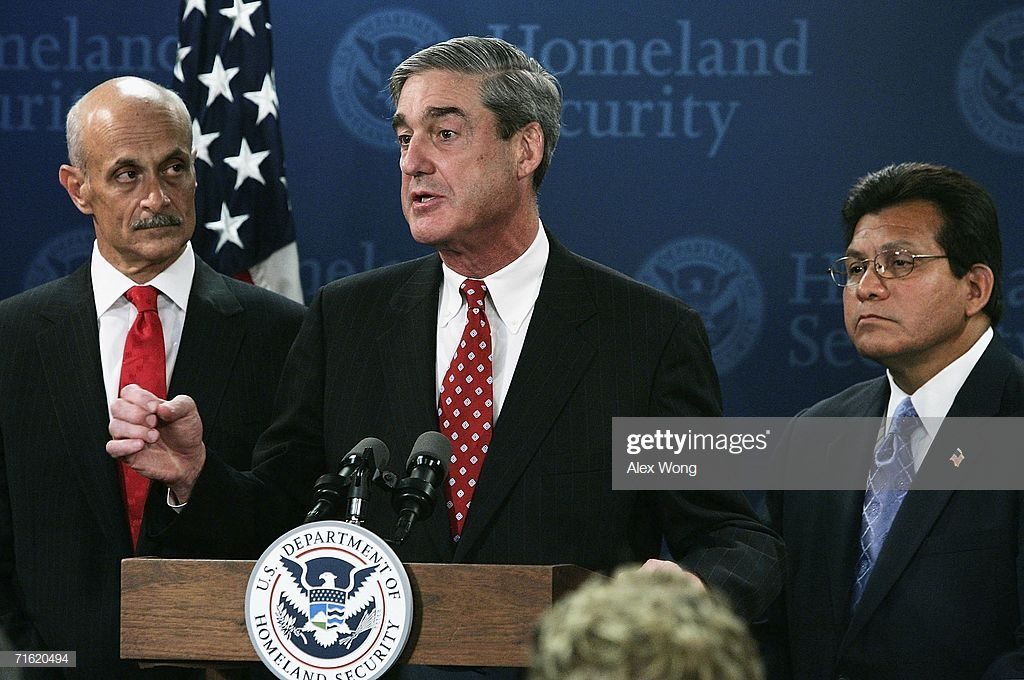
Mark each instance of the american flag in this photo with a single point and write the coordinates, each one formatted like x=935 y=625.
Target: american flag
x=224 y=72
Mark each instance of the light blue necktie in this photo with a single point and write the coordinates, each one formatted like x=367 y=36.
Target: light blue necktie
x=891 y=474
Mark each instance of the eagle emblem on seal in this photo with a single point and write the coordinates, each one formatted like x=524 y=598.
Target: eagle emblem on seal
x=324 y=602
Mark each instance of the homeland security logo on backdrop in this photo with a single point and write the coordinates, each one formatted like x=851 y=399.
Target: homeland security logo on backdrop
x=362 y=63
x=720 y=283
x=59 y=256
x=991 y=82
x=328 y=600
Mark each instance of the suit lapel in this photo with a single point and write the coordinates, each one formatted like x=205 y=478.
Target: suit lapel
x=74 y=377
x=556 y=353
x=980 y=396
x=207 y=354
x=841 y=545
x=408 y=347
x=210 y=341
x=842 y=509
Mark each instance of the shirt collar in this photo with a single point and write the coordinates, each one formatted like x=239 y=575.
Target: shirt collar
x=933 y=400
x=109 y=285
x=513 y=289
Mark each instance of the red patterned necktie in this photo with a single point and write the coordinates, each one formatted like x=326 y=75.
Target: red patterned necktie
x=465 y=406
x=144 y=365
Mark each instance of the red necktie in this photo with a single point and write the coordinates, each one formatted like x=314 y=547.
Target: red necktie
x=144 y=365
x=465 y=406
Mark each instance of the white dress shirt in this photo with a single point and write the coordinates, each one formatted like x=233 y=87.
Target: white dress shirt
x=933 y=400
x=116 y=315
x=511 y=295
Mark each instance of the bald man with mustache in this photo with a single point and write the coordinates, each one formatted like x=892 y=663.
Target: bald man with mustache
x=68 y=512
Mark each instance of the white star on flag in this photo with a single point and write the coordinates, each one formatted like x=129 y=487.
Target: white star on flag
x=227 y=226
x=182 y=53
x=201 y=142
x=194 y=4
x=209 y=42
x=218 y=80
x=247 y=164
x=241 y=14
x=265 y=98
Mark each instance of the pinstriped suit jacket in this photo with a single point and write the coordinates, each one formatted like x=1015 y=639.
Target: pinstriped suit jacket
x=599 y=345
x=62 y=526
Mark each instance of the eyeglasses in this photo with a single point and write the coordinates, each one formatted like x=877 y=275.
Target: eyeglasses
x=848 y=272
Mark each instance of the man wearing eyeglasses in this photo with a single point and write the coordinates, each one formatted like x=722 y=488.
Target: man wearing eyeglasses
x=883 y=583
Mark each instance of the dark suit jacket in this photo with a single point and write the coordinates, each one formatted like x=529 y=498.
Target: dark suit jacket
x=63 y=530
x=599 y=345
x=946 y=595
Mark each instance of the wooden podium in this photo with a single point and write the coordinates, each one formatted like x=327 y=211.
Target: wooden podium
x=191 y=612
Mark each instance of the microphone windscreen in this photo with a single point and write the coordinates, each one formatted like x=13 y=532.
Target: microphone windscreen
x=432 y=444
x=381 y=454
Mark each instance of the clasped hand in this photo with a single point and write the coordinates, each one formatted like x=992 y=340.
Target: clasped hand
x=159 y=439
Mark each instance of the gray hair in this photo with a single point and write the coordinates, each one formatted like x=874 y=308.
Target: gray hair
x=515 y=87
x=128 y=87
x=643 y=625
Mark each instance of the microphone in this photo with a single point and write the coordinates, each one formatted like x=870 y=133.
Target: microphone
x=360 y=466
x=329 y=490
x=415 y=496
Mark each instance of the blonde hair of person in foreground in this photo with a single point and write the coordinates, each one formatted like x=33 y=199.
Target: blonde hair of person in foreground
x=643 y=625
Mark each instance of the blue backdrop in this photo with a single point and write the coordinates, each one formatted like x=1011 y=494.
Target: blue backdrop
x=706 y=146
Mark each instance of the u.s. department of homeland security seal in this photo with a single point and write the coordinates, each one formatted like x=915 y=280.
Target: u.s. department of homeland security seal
x=362 y=63
x=59 y=256
x=720 y=283
x=328 y=601
x=990 y=83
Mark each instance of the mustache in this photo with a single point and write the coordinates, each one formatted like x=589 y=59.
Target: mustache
x=158 y=220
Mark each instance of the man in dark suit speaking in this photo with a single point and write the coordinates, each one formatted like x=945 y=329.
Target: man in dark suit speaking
x=927 y=584
x=144 y=310
x=516 y=349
